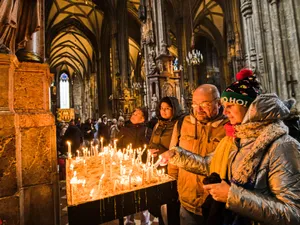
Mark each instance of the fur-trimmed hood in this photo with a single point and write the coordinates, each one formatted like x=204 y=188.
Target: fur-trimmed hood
x=266 y=107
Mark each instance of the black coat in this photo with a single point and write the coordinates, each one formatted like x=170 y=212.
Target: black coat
x=136 y=134
x=75 y=136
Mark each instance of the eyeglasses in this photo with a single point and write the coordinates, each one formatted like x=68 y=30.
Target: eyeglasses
x=204 y=105
x=166 y=109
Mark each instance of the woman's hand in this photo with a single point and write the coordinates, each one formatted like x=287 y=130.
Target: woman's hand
x=218 y=191
x=154 y=152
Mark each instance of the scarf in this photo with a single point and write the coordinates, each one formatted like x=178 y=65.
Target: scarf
x=265 y=133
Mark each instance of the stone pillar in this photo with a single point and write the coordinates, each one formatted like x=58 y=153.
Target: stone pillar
x=28 y=158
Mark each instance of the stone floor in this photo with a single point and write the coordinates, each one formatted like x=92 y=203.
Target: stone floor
x=64 y=211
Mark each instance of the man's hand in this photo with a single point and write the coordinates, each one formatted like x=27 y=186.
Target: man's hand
x=166 y=156
x=218 y=191
x=154 y=152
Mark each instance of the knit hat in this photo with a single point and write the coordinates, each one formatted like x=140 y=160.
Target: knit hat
x=244 y=90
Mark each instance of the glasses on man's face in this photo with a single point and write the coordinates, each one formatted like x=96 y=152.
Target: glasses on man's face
x=166 y=109
x=204 y=105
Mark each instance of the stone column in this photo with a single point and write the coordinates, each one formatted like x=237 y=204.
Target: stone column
x=246 y=8
x=28 y=162
x=123 y=45
x=279 y=57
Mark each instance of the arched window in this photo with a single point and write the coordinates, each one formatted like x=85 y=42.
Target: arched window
x=64 y=91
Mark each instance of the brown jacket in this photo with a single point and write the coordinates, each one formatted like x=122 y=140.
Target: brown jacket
x=190 y=189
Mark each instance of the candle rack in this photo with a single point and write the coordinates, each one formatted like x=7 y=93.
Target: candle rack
x=111 y=184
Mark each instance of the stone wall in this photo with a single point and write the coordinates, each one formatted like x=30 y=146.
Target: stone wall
x=28 y=158
x=271 y=37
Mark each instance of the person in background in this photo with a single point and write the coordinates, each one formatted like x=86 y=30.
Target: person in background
x=263 y=165
x=200 y=133
x=103 y=130
x=88 y=132
x=168 y=112
x=114 y=130
x=136 y=132
x=75 y=136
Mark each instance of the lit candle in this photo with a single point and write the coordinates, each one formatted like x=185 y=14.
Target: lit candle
x=121 y=167
x=100 y=182
x=77 y=153
x=101 y=141
x=110 y=170
x=148 y=174
x=104 y=163
x=73 y=181
x=71 y=166
x=69 y=149
x=92 y=150
x=122 y=184
x=92 y=193
x=115 y=185
x=89 y=153
x=115 y=144
x=96 y=150
x=129 y=179
x=85 y=167
x=143 y=176
x=152 y=160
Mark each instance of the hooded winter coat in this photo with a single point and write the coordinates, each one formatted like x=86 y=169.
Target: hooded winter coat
x=162 y=132
x=263 y=167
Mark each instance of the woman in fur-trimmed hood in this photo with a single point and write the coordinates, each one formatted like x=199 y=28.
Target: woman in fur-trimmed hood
x=263 y=169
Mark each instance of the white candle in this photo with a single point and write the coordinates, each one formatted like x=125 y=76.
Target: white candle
x=104 y=163
x=101 y=141
x=129 y=179
x=152 y=160
x=71 y=166
x=100 y=182
x=121 y=167
x=92 y=193
x=143 y=176
x=110 y=170
x=85 y=167
x=115 y=185
x=69 y=149
x=148 y=174
x=77 y=153
x=115 y=144
x=96 y=150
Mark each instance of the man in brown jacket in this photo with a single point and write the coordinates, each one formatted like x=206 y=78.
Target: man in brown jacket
x=200 y=132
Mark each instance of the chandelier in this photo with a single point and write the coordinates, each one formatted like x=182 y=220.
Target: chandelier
x=194 y=56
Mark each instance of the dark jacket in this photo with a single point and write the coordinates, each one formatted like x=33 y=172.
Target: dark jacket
x=75 y=136
x=104 y=131
x=88 y=131
x=135 y=134
x=162 y=132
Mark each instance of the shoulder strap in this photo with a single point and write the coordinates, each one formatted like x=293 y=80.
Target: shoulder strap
x=179 y=124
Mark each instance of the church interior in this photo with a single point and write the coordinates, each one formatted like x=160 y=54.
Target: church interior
x=80 y=59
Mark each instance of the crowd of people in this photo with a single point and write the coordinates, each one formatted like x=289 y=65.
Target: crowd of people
x=235 y=156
